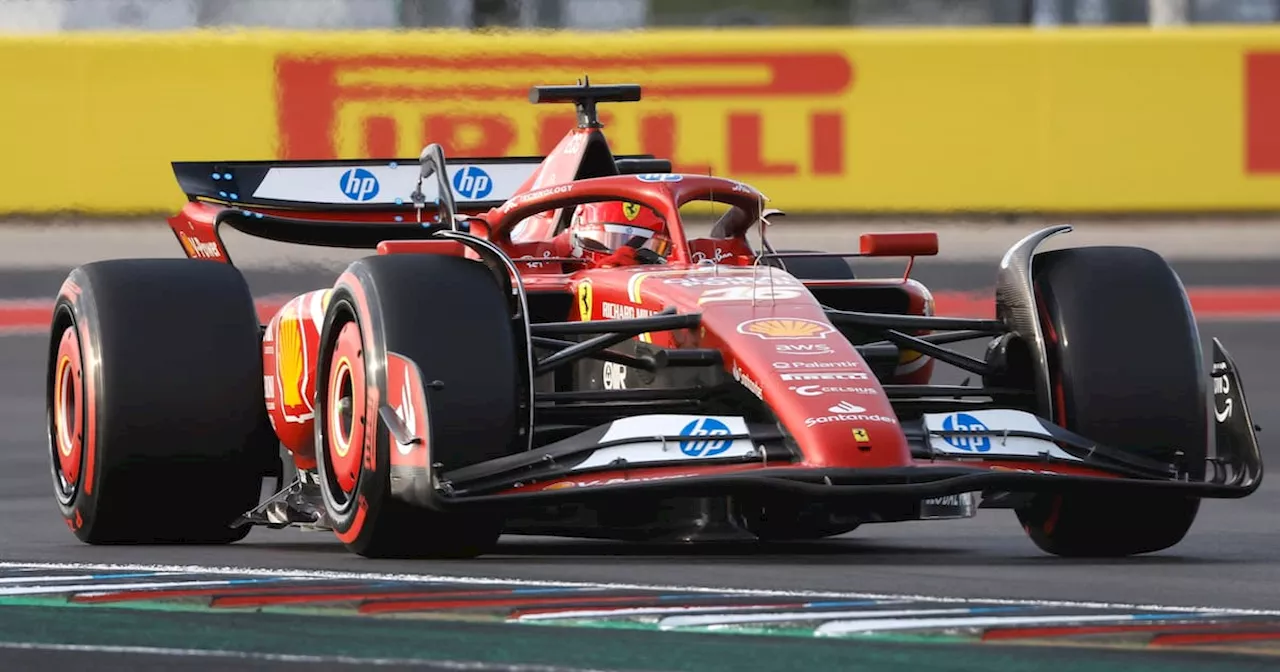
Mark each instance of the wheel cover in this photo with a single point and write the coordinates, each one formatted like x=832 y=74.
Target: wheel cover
x=345 y=433
x=68 y=414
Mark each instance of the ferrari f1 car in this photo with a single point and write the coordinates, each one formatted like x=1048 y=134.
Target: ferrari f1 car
x=478 y=376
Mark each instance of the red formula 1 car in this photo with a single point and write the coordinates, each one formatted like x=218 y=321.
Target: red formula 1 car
x=539 y=347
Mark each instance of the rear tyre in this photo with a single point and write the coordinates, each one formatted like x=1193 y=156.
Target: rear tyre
x=1127 y=371
x=815 y=268
x=158 y=431
x=448 y=316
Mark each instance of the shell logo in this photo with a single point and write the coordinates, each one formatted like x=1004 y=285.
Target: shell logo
x=297 y=344
x=772 y=329
x=562 y=485
x=291 y=358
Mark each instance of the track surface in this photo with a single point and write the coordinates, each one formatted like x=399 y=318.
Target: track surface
x=1228 y=560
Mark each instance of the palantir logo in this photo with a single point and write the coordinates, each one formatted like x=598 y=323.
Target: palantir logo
x=705 y=427
x=359 y=184
x=472 y=183
x=963 y=422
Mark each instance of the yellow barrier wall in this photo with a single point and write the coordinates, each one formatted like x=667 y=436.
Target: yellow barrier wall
x=828 y=120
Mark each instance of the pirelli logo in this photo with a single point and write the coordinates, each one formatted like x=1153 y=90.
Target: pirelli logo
x=745 y=114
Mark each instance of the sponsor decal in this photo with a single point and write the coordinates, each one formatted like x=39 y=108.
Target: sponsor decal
x=1221 y=386
x=860 y=435
x=534 y=195
x=404 y=411
x=829 y=375
x=197 y=249
x=774 y=328
x=717 y=256
x=615 y=376
x=710 y=278
x=752 y=386
x=333 y=104
x=741 y=188
x=817 y=365
x=723 y=294
x=639 y=440
x=803 y=349
x=472 y=183
x=291 y=367
x=358 y=184
x=546 y=254
x=847 y=412
x=567 y=485
x=819 y=390
x=703 y=447
x=630 y=210
x=618 y=311
x=1034 y=440
x=963 y=422
x=585 y=300
x=659 y=177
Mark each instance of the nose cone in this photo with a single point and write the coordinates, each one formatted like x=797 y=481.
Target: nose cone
x=778 y=344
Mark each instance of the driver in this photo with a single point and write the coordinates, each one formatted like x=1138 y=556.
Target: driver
x=618 y=233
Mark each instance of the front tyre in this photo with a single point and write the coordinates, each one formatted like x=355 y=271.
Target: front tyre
x=1127 y=371
x=449 y=317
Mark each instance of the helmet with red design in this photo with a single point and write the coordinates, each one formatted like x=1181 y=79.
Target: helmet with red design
x=601 y=229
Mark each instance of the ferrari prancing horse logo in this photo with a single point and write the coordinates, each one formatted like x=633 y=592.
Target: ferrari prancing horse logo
x=631 y=210
x=585 y=300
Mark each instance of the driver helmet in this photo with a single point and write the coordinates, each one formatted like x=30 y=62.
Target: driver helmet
x=600 y=229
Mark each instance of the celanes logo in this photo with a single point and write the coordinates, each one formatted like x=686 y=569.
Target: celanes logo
x=705 y=427
x=819 y=390
x=771 y=329
x=359 y=184
x=963 y=422
x=472 y=183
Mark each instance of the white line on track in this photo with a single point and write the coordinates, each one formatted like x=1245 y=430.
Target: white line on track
x=838 y=628
x=432 y=578
x=289 y=658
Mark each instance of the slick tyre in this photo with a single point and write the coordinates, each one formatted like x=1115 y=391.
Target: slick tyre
x=1127 y=371
x=448 y=316
x=157 y=425
x=815 y=268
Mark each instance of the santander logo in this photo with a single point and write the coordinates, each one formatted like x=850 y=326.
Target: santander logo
x=846 y=407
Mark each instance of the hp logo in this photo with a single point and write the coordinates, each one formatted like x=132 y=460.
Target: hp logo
x=705 y=427
x=963 y=422
x=359 y=184
x=472 y=183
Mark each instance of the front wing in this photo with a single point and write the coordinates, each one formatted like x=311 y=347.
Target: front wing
x=1013 y=452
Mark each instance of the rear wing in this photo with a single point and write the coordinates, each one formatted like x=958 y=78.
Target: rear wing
x=365 y=184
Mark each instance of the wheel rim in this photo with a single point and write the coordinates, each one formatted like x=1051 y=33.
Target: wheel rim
x=67 y=432
x=345 y=433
